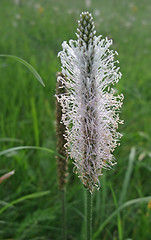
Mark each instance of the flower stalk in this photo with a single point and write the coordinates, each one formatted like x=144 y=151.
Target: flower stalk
x=90 y=110
x=89 y=215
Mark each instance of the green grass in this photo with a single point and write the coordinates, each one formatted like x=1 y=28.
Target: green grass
x=27 y=118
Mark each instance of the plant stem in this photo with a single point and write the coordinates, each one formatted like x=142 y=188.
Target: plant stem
x=89 y=215
x=64 y=223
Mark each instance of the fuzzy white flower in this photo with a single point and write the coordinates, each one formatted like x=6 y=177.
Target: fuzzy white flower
x=90 y=108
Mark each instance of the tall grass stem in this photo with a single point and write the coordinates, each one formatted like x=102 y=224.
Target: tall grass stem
x=64 y=221
x=89 y=215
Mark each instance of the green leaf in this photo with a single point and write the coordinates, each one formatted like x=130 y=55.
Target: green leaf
x=30 y=196
x=128 y=175
x=123 y=206
x=35 y=73
x=25 y=147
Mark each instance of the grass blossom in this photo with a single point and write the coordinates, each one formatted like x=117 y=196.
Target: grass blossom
x=90 y=106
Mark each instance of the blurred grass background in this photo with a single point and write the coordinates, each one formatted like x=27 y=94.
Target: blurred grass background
x=34 y=31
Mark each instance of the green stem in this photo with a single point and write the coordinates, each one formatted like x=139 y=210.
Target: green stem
x=64 y=222
x=89 y=215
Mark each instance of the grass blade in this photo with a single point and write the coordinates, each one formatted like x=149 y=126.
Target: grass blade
x=128 y=174
x=35 y=73
x=35 y=121
x=30 y=196
x=123 y=206
x=119 y=222
x=25 y=147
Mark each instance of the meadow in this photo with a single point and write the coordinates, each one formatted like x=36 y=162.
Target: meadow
x=30 y=207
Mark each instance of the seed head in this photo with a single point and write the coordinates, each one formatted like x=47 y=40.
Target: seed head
x=91 y=108
x=62 y=164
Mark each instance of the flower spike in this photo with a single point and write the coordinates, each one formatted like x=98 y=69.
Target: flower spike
x=91 y=108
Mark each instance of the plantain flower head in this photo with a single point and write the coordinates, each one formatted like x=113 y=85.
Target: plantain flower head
x=90 y=108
